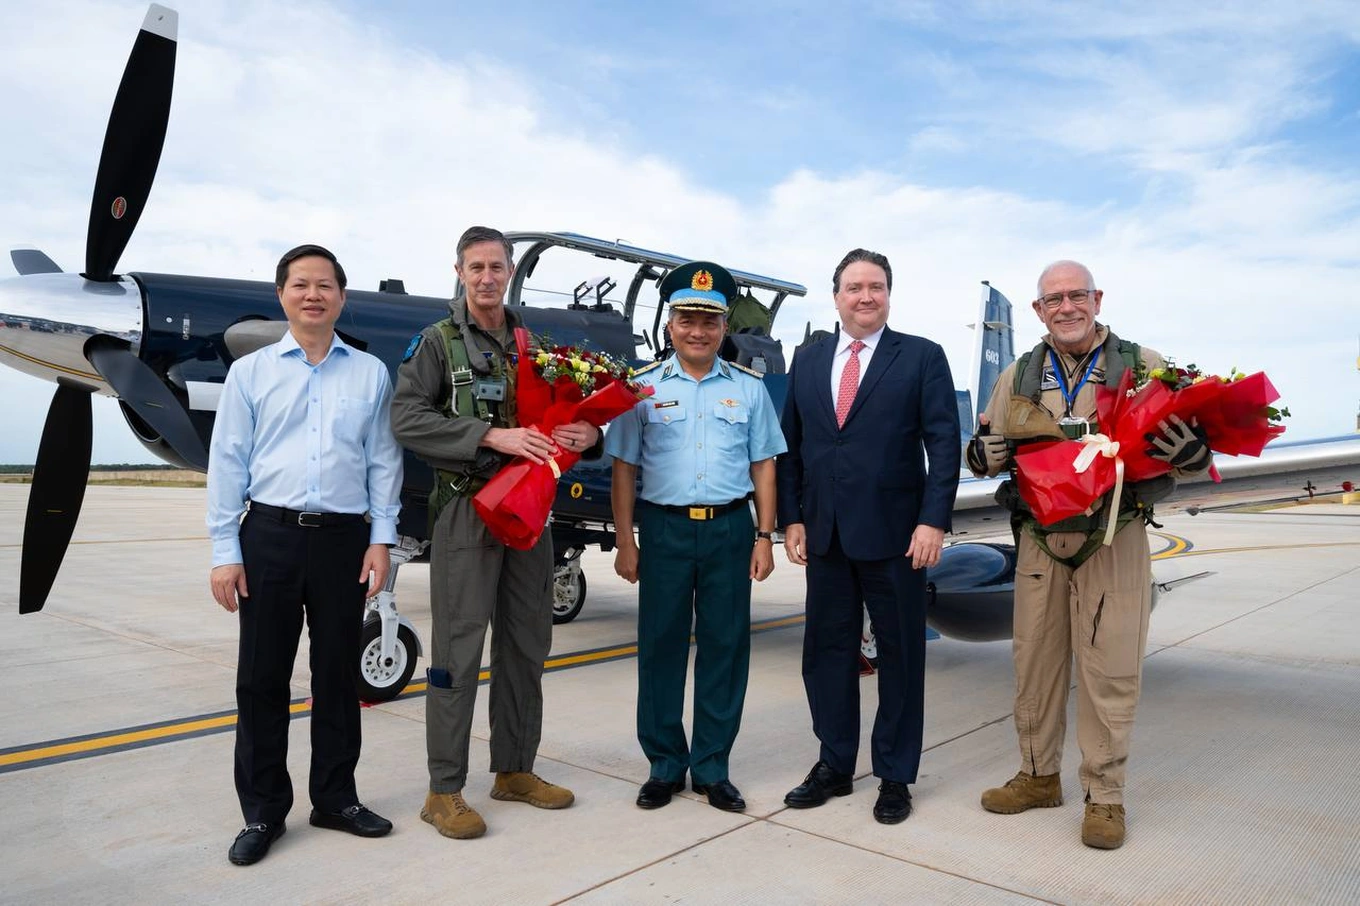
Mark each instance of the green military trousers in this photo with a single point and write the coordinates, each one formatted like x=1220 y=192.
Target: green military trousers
x=692 y=572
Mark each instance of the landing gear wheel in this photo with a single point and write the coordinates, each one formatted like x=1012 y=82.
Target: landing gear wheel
x=868 y=643
x=569 y=593
x=379 y=680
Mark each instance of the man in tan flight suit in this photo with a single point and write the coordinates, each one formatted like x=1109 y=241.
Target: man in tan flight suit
x=1073 y=594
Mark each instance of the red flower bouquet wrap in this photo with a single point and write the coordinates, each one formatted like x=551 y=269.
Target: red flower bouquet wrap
x=515 y=503
x=1062 y=479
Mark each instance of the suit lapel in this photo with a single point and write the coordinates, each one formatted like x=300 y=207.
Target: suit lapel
x=889 y=345
x=821 y=372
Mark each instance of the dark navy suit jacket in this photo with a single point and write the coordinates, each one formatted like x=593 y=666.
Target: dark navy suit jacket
x=868 y=482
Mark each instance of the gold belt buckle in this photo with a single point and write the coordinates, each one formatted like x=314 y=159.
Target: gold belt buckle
x=700 y=512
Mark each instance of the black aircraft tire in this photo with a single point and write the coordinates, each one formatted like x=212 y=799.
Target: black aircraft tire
x=568 y=596
x=379 y=682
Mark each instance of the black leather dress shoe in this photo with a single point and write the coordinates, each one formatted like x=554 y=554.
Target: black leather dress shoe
x=356 y=820
x=252 y=844
x=894 y=803
x=656 y=793
x=821 y=784
x=722 y=795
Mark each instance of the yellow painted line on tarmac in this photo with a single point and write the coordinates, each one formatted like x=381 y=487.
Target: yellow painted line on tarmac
x=73 y=748
x=1270 y=547
x=1176 y=546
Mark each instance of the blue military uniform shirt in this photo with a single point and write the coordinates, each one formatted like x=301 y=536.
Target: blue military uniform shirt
x=694 y=441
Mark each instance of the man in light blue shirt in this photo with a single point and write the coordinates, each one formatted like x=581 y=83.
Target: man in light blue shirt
x=302 y=438
x=705 y=441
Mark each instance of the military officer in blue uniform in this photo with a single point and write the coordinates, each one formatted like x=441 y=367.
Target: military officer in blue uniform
x=704 y=444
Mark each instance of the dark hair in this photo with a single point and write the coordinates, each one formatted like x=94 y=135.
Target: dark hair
x=473 y=235
x=861 y=255
x=306 y=251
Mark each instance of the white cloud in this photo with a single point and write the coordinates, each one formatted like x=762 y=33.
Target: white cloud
x=298 y=123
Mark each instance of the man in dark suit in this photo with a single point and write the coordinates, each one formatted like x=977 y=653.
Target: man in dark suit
x=865 y=410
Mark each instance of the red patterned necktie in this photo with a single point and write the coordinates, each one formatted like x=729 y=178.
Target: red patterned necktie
x=845 y=396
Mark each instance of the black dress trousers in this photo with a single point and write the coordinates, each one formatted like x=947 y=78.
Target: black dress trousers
x=294 y=571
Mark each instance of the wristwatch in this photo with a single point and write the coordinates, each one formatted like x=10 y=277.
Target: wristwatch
x=768 y=536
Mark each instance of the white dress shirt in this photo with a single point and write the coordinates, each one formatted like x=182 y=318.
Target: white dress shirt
x=843 y=355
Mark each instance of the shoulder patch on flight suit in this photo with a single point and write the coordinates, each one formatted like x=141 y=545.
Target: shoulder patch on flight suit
x=751 y=371
x=411 y=350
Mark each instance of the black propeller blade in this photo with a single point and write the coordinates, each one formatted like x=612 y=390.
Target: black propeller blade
x=32 y=261
x=58 y=489
x=146 y=394
x=132 y=143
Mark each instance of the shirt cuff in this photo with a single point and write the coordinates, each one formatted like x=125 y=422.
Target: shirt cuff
x=226 y=551
x=382 y=531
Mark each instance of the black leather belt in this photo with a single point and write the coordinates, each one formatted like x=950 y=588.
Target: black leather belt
x=304 y=519
x=701 y=512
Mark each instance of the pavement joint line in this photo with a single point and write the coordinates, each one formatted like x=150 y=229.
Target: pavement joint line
x=57 y=751
x=897 y=858
x=196 y=540
x=1256 y=610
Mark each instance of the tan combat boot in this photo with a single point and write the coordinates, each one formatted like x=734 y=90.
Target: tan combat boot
x=522 y=786
x=1103 y=826
x=451 y=816
x=1024 y=791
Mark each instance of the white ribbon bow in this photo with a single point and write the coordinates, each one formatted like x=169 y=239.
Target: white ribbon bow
x=1101 y=445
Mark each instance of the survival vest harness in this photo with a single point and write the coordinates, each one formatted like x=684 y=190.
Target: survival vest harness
x=462 y=401
x=1138 y=497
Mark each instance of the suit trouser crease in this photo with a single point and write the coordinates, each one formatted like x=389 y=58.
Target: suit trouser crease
x=1098 y=615
x=476 y=582
x=693 y=573
x=894 y=595
x=294 y=572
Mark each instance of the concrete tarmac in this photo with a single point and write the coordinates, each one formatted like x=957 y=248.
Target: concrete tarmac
x=116 y=748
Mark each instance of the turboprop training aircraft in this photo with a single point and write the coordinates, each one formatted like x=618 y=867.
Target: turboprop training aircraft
x=161 y=344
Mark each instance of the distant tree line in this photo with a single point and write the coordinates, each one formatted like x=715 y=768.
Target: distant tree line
x=12 y=469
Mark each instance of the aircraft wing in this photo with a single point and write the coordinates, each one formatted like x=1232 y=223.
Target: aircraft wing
x=1284 y=472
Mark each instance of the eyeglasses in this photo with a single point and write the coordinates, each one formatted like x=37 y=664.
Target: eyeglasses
x=1076 y=296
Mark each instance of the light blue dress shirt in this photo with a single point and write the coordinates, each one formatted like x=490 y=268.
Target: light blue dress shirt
x=695 y=440
x=316 y=438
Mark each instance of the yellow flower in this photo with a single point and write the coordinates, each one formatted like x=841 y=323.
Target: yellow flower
x=598 y=369
x=542 y=358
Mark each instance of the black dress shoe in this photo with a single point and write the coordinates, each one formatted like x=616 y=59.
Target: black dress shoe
x=722 y=795
x=821 y=784
x=356 y=820
x=252 y=844
x=894 y=803
x=656 y=793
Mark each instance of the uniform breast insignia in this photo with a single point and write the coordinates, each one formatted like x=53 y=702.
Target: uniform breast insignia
x=665 y=404
x=411 y=350
x=729 y=403
x=751 y=371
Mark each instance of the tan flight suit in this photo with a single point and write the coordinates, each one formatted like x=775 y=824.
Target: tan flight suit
x=1097 y=611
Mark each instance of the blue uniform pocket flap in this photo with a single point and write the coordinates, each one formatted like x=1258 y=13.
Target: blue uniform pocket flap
x=731 y=411
x=666 y=415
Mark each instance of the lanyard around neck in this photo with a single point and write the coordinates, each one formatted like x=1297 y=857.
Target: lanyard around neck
x=1070 y=397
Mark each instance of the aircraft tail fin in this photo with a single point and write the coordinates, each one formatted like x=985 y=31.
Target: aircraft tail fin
x=993 y=351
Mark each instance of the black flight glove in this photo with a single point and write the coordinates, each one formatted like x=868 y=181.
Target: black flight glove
x=988 y=454
x=1185 y=446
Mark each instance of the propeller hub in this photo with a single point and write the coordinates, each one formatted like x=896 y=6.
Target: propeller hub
x=47 y=319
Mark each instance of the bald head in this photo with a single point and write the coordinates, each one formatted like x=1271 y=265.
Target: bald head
x=1067 y=265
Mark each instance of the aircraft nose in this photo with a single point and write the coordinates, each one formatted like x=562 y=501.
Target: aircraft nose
x=46 y=320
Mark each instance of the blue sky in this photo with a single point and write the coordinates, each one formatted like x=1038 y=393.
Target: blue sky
x=1201 y=161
